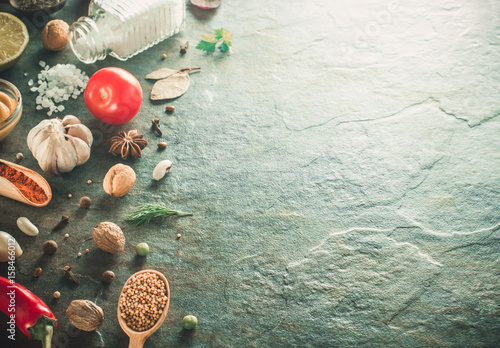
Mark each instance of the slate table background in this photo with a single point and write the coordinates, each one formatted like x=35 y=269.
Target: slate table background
x=342 y=165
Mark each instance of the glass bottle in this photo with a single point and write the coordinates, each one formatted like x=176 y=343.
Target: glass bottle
x=123 y=28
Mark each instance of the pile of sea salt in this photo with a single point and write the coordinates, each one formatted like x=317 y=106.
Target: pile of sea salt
x=56 y=85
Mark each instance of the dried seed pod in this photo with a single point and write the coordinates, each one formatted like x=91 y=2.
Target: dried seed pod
x=85 y=315
x=161 y=169
x=108 y=237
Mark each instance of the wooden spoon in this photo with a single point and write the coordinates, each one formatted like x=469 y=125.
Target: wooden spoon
x=8 y=189
x=137 y=338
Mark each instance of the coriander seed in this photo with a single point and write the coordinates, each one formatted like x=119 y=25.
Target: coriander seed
x=19 y=156
x=79 y=254
x=163 y=56
x=57 y=294
x=66 y=235
x=89 y=182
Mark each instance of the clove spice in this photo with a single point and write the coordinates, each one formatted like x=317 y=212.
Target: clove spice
x=67 y=271
x=156 y=125
x=184 y=47
x=60 y=224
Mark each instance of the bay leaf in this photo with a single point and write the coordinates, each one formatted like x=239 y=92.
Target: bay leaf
x=171 y=87
x=161 y=74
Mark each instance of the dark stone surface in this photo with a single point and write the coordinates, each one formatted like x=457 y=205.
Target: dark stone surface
x=342 y=165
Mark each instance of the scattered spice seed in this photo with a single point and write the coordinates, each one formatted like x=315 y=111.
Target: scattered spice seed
x=37 y=272
x=143 y=300
x=19 y=156
x=57 y=294
x=79 y=254
x=67 y=271
x=162 y=145
x=163 y=56
x=89 y=182
x=108 y=277
x=70 y=195
x=87 y=251
x=156 y=125
x=178 y=235
x=85 y=202
x=184 y=47
x=63 y=222
x=66 y=235
x=49 y=247
x=170 y=108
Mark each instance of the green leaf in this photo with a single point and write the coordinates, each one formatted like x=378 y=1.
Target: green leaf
x=206 y=46
x=218 y=33
x=223 y=47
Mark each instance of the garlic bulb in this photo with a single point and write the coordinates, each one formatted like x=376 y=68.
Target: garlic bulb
x=60 y=145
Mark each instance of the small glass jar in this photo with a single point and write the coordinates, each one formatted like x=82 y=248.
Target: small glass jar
x=124 y=28
x=9 y=123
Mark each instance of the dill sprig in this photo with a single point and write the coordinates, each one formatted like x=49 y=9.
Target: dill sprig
x=148 y=212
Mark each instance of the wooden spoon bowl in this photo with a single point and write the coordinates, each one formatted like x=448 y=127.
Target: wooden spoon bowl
x=137 y=338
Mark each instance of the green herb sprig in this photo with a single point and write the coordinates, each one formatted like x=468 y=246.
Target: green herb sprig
x=209 y=42
x=148 y=212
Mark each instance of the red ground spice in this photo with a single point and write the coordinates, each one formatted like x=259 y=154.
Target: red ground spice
x=28 y=187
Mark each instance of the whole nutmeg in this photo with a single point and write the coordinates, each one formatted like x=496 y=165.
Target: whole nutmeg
x=49 y=247
x=85 y=202
x=108 y=277
x=85 y=315
x=55 y=35
x=119 y=180
x=108 y=237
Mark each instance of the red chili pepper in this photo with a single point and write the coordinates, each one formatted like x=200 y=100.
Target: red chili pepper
x=31 y=315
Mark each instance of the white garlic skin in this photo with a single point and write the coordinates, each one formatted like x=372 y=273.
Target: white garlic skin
x=6 y=242
x=60 y=145
x=161 y=169
x=27 y=226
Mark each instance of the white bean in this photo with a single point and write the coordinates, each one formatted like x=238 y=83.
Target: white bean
x=8 y=247
x=161 y=169
x=27 y=226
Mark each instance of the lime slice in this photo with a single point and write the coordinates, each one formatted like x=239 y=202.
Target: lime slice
x=14 y=40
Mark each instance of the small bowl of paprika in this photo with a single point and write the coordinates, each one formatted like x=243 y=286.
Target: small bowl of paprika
x=11 y=107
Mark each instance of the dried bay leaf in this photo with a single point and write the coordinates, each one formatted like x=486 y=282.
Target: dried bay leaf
x=173 y=85
x=161 y=73
x=170 y=87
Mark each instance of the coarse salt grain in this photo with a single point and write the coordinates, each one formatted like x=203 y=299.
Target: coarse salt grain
x=58 y=84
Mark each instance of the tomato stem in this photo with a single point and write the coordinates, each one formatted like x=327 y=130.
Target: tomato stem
x=104 y=95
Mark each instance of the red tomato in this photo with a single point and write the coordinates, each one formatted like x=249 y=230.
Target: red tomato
x=113 y=95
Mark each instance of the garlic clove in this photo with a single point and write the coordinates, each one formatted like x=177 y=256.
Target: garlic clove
x=70 y=120
x=81 y=148
x=81 y=132
x=161 y=169
x=7 y=240
x=65 y=155
x=45 y=154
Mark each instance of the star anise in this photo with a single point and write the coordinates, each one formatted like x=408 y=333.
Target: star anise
x=127 y=144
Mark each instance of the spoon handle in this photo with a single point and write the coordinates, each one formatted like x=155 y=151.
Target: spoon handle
x=137 y=341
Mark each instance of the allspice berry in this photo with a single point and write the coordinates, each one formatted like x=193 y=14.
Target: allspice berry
x=85 y=202
x=108 y=277
x=49 y=247
x=55 y=35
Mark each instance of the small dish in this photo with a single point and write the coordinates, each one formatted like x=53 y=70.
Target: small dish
x=9 y=123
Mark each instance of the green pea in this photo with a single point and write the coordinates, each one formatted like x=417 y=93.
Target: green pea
x=142 y=249
x=189 y=322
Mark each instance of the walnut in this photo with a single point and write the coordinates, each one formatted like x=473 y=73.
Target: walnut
x=85 y=315
x=108 y=237
x=119 y=180
x=55 y=35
